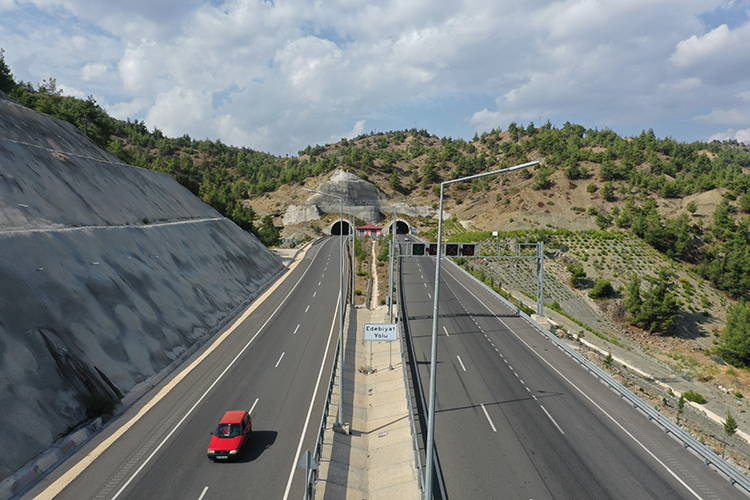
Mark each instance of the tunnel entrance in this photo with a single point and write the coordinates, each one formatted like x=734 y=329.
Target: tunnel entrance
x=338 y=226
x=402 y=227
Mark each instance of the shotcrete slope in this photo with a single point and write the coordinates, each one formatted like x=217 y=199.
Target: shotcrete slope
x=108 y=273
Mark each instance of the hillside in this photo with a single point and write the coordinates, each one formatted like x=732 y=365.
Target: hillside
x=618 y=207
x=110 y=275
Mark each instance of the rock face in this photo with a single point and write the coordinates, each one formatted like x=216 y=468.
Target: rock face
x=109 y=273
x=298 y=214
x=361 y=198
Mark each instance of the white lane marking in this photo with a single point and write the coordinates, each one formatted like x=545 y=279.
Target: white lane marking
x=316 y=293
x=203 y=493
x=446 y=332
x=310 y=408
x=425 y=285
x=461 y=362
x=429 y=295
x=307 y=308
x=295 y=330
x=55 y=488
x=253 y=407
x=671 y=472
x=488 y=418
x=553 y=420
x=279 y=361
x=319 y=282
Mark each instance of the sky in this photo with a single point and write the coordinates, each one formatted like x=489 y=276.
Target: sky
x=279 y=75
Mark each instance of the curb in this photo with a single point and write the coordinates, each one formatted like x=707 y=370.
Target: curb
x=26 y=476
x=60 y=451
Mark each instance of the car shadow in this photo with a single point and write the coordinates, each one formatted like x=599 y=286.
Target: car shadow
x=259 y=442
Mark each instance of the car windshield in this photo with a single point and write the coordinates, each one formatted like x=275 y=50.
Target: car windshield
x=228 y=430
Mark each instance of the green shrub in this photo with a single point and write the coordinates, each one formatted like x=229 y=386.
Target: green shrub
x=734 y=344
x=695 y=397
x=602 y=289
x=577 y=273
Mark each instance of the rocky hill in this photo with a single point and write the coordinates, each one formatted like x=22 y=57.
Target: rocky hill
x=110 y=273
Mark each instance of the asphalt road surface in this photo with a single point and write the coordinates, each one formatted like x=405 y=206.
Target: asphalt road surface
x=517 y=418
x=276 y=363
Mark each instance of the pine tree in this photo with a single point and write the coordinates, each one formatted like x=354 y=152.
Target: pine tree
x=7 y=82
x=730 y=427
x=734 y=345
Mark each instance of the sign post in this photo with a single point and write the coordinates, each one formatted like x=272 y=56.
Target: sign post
x=309 y=465
x=382 y=332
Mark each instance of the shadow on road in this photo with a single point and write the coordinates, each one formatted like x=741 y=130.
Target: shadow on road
x=260 y=441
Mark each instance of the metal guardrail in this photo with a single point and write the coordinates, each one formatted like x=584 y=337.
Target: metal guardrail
x=324 y=419
x=404 y=348
x=439 y=492
x=735 y=477
x=327 y=404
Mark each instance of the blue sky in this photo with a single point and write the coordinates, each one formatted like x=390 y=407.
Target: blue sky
x=279 y=75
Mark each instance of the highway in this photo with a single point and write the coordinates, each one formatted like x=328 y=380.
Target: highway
x=276 y=363
x=517 y=418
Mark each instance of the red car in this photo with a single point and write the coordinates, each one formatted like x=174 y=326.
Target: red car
x=230 y=436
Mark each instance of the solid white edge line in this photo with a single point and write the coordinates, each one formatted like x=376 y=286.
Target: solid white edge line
x=203 y=493
x=553 y=420
x=63 y=481
x=312 y=402
x=461 y=362
x=279 y=361
x=671 y=472
x=200 y=400
x=488 y=418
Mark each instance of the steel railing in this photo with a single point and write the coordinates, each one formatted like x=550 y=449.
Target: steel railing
x=327 y=404
x=440 y=491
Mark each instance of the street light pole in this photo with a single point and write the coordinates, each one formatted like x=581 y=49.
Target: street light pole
x=430 y=444
x=341 y=305
x=353 y=229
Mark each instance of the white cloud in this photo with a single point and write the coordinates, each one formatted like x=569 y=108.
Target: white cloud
x=178 y=108
x=697 y=49
x=739 y=135
x=290 y=73
x=357 y=130
x=126 y=109
x=487 y=120
x=93 y=71
x=720 y=55
x=721 y=116
x=140 y=67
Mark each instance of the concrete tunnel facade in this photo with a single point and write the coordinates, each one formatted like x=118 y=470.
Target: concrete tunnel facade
x=335 y=229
